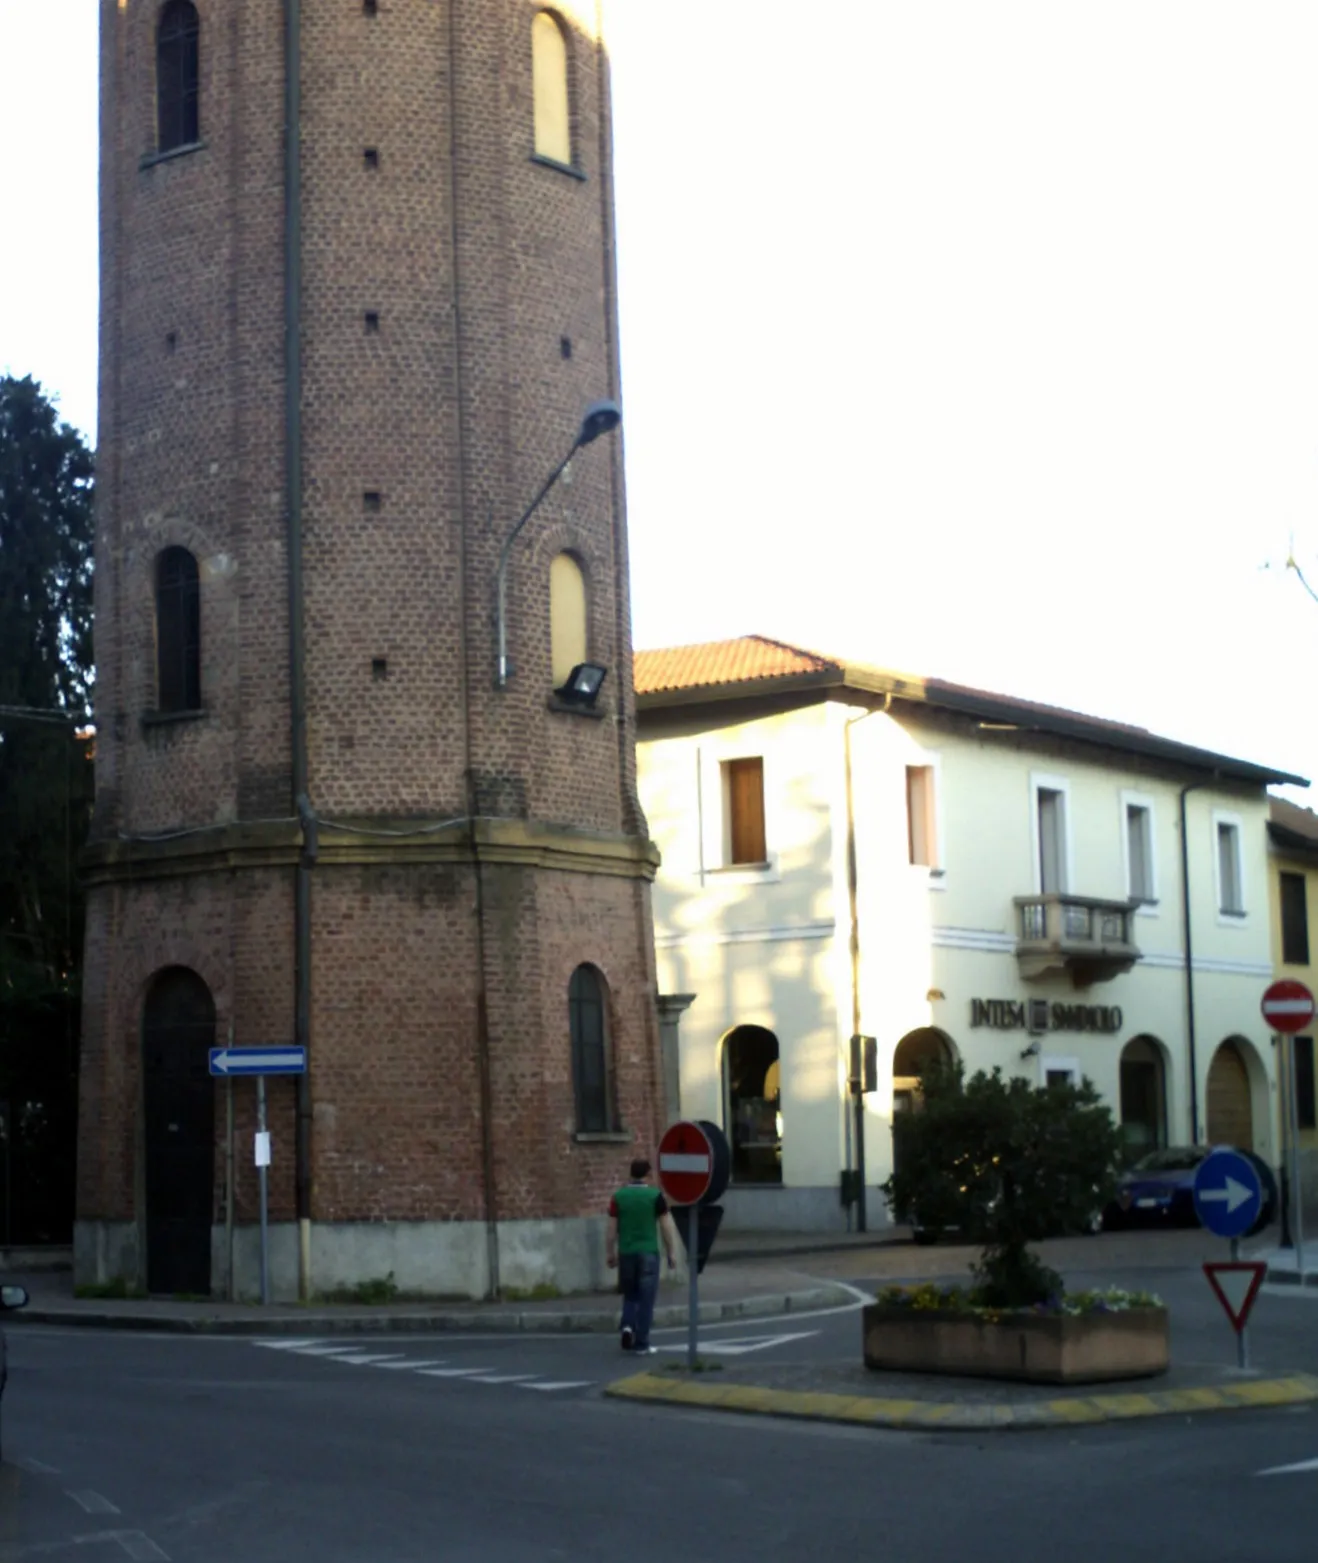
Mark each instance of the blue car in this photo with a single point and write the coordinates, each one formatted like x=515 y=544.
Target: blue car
x=1159 y=1189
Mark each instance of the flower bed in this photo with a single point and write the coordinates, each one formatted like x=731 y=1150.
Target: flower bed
x=1081 y=1337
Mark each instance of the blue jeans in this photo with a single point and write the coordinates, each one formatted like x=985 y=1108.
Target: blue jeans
x=638 y=1276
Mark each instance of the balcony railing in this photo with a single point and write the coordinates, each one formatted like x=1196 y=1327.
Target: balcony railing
x=1088 y=938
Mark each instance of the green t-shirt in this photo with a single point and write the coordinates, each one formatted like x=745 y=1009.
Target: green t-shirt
x=638 y=1207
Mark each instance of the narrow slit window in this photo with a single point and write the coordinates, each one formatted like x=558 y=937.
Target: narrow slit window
x=1230 y=893
x=1294 y=921
x=588 y=1025
x=1051 y=823
x=178 y=632
x=549 y=66
x=178 y=77
x=1139 y=850
x=567 y=618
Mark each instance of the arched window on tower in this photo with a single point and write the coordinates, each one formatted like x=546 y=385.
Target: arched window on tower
x=588 y=1022
x=178 y=73
x=567 y=617
x=178 y=632
x=549 y=67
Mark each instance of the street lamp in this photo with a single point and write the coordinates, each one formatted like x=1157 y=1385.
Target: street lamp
x=600 y=417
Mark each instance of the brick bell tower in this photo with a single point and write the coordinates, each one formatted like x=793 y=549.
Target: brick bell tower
x=357 y=292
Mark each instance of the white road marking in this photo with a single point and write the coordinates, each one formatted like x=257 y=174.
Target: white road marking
x=739 y=1348
x=410 y=1364
x=1291 y=1470
x=92 y=1502
x=289 y=1345
x=504 y=1378
x=357 y=1361
x=785 y=1317
x=37 y=1467
x=576 y=1383
x=139 y=1546
x=453 y=1372
x=323 y=1351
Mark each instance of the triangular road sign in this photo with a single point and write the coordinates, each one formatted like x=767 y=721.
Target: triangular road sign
x=1237 y=1285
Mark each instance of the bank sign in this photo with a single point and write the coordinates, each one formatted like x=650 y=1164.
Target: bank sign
x=1039 y=1015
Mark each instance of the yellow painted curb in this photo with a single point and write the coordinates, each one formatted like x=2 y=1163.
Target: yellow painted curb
x=873 y=1411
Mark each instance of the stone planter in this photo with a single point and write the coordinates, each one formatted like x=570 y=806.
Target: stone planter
x=1037 y=1348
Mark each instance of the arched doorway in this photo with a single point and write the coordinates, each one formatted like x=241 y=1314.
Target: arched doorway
x=1143 y=1094
x=1229 y=1101
x=753 y=1111
x=178 y=1029
x=916 y=1053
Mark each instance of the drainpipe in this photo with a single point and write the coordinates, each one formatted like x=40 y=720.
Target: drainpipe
x=853 y=887
x=1189 y=965
x=296 y=641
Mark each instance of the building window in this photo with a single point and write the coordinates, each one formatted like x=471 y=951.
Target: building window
x=1140 y=883
x=1143 y=1090
x=178 y=61
x=1050 y=827
x=1294 y=921
x=567 y=617
x=921 y=826
x=549 y=65
x=588 y=1023
x=753 y=1106
x=1305 y=1104
x=1230 y=887
x=178 y=632
x=743 y=812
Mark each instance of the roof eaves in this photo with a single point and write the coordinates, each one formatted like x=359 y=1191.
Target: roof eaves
x=740 y=689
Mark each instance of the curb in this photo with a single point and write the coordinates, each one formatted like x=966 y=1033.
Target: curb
x=953 y=1416
x=1292 y=1278
x=569 y=1322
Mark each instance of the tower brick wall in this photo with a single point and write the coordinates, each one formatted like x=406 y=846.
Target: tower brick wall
x=474 y=845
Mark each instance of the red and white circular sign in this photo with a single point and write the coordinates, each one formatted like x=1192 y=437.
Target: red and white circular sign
x=686 y=1163
x=1288 y=1006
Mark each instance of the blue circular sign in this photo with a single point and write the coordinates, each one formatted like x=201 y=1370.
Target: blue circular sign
x=1228 y=1193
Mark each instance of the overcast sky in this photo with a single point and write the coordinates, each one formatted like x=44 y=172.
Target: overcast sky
x=976 y=338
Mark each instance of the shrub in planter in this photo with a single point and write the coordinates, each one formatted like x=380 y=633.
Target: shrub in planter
x=1008 y=1163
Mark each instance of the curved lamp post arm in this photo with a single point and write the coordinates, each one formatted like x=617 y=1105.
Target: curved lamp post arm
x=503 y=669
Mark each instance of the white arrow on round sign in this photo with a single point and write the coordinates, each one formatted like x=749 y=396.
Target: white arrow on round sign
x=1232 y=1194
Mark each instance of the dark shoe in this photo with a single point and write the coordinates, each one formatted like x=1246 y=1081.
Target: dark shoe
x=628 y=1337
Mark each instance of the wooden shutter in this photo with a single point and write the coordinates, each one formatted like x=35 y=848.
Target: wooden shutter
x=1294 y=921
x=746 y=811
x=1230 y=1114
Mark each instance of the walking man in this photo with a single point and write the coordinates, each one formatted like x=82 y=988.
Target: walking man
x=638 y=1217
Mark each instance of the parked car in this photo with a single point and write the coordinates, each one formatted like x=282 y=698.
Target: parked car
x=10 y=1297
x=1158 y=1189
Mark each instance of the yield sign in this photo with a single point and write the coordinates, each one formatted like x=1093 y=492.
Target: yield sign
x=1237 y=1285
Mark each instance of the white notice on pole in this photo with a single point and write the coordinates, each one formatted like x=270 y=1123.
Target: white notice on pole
x=263 y=1149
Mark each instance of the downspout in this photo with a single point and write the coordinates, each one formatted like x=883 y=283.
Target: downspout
x=296 y=640
x=853 y=897
x=1189 y=966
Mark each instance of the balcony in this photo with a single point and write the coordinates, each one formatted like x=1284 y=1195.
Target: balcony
x=1087 y=939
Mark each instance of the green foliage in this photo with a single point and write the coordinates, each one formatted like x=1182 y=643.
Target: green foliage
x=117 y=1290
x=45 y=798
x=542 y=1291
x=379 y=1289
x=1007 y=1163
x=929 y=1297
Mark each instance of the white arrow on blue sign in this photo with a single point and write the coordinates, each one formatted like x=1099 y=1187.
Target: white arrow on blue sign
x=258 y=1060
x=1227 y=1193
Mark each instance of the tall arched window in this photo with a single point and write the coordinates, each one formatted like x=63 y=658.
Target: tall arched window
x=178 y=72
x=588 y=1021
x=553 y=124
x=178 y=632
x=753 y=1112
x=567 y=617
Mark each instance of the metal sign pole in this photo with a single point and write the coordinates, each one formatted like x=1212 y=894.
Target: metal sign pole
x=693 y=1296
x=261 y=1173
x=1293 y=1114
x=1242 y=1334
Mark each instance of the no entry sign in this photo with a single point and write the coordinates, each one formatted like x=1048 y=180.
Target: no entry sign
x=686 y=1163
x=1288 y=1006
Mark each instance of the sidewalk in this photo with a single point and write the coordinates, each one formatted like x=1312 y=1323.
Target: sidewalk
x=741 y=1291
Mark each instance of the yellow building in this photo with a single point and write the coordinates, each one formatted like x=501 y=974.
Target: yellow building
x=1293 y=899
x=854 y=852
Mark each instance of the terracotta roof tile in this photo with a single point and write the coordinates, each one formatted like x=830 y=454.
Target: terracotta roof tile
x=714 y=662
x=1290 y=816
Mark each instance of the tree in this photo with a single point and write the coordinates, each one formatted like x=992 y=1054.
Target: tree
x=1009 y=1163
x=46 y=681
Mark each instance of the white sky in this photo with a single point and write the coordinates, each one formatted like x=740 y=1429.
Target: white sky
x=978 y=338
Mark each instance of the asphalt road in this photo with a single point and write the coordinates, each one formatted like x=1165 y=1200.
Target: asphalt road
x=212 y=1450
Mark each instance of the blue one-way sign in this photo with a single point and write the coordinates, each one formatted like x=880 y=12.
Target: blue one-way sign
x=258 y=1060
x=1227 y=1193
